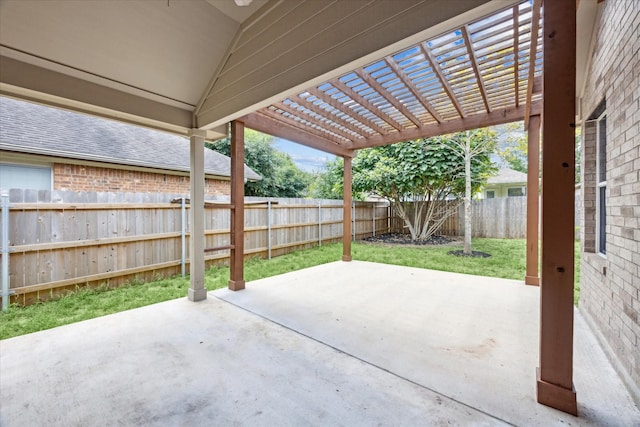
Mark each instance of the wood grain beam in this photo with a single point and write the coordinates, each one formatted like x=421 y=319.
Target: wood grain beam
x=366 y=104
x=310 y=118
x=413 y=88
x=435 y=66
x=496 y=117
x=373 y=83
x=309 y=129
x=331 y=117
x=275 y=127
x=236 y=260
x=516 y=52
x=474 y=65
x=346 y=110
x=533 y=47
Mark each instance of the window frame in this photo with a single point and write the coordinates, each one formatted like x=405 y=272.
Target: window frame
x=601 y=186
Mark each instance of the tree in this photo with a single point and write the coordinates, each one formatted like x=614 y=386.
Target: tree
x=329 y=183
x=513 y=146
x=468 y=146
x=418 y=177
x=280 y=176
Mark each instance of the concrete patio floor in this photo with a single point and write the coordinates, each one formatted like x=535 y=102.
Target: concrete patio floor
x=339 y=344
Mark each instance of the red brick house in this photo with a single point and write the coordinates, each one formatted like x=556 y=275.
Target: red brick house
x=47 y=148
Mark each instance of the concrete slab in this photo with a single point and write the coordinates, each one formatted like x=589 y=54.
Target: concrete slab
x=340 y=344
x=473 y=339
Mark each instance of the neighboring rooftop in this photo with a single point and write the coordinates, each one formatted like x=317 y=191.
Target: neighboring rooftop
x=508 y=176
x=36 y=129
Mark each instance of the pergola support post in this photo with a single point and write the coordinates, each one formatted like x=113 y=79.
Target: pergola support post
x=555 y=374
x=236 y=261
x=532 y=276
x=346 y=215
x=197 y=291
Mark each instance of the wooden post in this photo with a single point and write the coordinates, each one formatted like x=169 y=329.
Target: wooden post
x=197 y=291
x=346 y=216
x=533 y=188
x=555 y=374
x=236 y=261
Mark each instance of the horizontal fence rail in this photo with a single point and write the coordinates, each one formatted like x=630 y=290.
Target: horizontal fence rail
x=59 y=240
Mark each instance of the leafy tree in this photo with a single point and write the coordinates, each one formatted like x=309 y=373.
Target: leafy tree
x=513 y=146
x=328 y=184
x=418 y=177
x=468 y=146
x=280 y=176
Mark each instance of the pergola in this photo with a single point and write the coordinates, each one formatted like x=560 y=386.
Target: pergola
x=337 y=76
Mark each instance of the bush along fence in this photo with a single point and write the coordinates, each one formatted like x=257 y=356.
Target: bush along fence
x=503 y=218
x=59 y=240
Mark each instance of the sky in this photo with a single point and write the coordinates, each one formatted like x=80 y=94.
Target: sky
x=305 y=158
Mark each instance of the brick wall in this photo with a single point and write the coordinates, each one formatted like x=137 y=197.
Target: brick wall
x=90 y=178
x=610 y=285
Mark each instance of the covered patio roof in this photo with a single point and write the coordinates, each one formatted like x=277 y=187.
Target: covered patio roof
x=482 y=73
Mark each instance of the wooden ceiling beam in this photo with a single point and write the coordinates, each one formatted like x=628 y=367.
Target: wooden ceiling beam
x=516 y=43
x=311 y=119
x=320 y=133
x=365 y=103
x=474 y=65
x=476 y=121
x=373 y=83
x=330 y=116
x=346 y=110
x=435 y=66
x=273 y=126
x=533 y=48
x=413 y=88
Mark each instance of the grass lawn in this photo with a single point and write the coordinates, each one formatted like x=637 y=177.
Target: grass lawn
x=507 y=261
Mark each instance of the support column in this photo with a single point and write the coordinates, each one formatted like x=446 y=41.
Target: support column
x=555 y=374
x=236 y=261
x=346 y=215
x=533 y=210
x=197 y=291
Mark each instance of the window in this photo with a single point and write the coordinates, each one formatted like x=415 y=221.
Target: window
x=491 y=194
x=25 y=177
x=515 y=192
x=601 y=184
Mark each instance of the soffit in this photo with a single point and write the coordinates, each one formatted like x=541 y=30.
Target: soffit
x=480 y=73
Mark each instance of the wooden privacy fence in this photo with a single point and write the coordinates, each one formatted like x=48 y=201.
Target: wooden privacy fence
x=60 y=240
x=504 y=218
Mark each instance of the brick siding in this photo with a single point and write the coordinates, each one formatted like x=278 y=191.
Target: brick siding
x=91 y=178
x=610 y=285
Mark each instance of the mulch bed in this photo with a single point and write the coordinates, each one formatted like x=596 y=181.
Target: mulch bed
x=405 y=239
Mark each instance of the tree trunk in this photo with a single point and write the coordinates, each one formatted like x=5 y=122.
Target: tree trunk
x=467 y=195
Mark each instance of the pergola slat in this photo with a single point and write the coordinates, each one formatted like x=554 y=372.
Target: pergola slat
x=535 y=24
x=435 y=66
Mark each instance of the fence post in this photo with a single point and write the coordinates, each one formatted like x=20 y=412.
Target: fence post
x=373 y=215
x=319 y=223
x=5 y=251
x=183 y=235
x=269 y=229
x=353 y=220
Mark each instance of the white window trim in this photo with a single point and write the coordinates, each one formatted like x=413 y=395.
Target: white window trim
x=599 y=185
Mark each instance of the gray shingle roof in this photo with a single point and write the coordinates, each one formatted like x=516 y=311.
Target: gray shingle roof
x=508 y=176
x=35 y=129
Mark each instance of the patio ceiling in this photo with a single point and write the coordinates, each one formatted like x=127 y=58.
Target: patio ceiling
x=483 y=73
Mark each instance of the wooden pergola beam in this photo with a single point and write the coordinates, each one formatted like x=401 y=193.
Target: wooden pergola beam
x=322 y=132
x=365 y=103
x=532 y=277
x=413 y=88
x=435 y=66
x=310 y=118
x=474 y=65
x=311 y=106
x=275 y=127
x=533 y=45
x=555 y=374
x=373 y=83
x=236 y=226
x=496 y=117
x=346 y=110
x=347 y=200
x=516 y=53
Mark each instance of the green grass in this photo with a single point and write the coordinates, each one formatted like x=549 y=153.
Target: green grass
x=507 y=261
